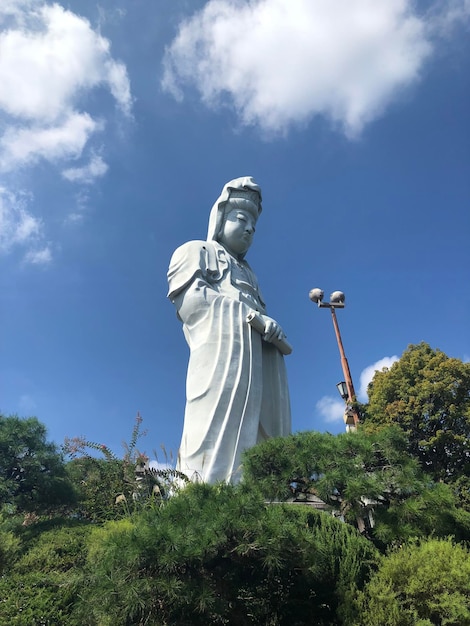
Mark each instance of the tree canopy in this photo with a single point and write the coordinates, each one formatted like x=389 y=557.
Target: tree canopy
x=32 y=474
x=368 y=479
x=427 y=394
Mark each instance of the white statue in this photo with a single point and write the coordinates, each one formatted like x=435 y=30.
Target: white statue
x=236 y=388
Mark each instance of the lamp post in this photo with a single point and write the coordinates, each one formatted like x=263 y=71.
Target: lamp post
x=346 y=388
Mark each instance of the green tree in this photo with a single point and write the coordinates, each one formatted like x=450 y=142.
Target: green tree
x=365 y=478
x=220 y=555
x=419 y=585
x=32 y=474
x=427 y=394
x=433 y=512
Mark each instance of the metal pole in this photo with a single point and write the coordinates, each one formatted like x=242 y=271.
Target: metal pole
x=345 y=366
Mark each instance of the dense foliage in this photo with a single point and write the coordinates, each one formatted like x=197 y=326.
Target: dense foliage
x=99 y=483
x=220 y=555
x=427 y=394
x=42 y=583
x=101 y=541
x=32 y=474
x=422 y=584
x=368 y=479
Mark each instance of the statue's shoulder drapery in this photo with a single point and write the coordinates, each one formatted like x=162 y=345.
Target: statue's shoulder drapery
x=205 y=259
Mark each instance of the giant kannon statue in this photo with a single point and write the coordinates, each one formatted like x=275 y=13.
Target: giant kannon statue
x=236 y=388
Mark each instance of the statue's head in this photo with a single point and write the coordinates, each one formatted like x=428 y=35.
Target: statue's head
x=240 y=201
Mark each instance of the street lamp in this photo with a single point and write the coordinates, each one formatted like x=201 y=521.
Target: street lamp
x=343 y=390
x=346 y=389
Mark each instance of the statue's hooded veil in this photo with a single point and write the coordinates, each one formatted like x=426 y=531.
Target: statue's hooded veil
x=216 y=219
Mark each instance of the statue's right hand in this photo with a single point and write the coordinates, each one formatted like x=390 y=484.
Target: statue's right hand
x=272 y=330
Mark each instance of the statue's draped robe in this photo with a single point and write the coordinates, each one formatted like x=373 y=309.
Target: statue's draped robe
x=236 y=388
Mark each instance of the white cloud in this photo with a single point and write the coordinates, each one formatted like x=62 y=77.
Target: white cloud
x=330 y=409
x=14 y=7
x=50 y=59
x=281 y=63
x=17 y=225
x=42 y=256
x=20 y=229
x=95 y=168
x=118 y=81
x=23 y=145
x=367 y=374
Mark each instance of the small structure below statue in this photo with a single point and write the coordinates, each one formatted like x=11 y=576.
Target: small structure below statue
x=236 y=388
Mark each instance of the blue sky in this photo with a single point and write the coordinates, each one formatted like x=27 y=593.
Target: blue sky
x=120 y=123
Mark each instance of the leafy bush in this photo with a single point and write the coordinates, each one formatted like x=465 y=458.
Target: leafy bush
x=97 y=483
x=40 y=587
x=422 y=584
x=9 y=549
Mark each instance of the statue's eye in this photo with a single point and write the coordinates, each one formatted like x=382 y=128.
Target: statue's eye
x=241 y=217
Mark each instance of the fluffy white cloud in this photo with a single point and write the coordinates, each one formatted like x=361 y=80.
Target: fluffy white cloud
x=367 y=374
x=19 y=229
x=281 y=63
x=50 y=61
x=50 y=58
x=95 y=168
x=21 y=145
x=330 y=409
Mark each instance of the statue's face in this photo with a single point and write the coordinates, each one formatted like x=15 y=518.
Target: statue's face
x=239 y=227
